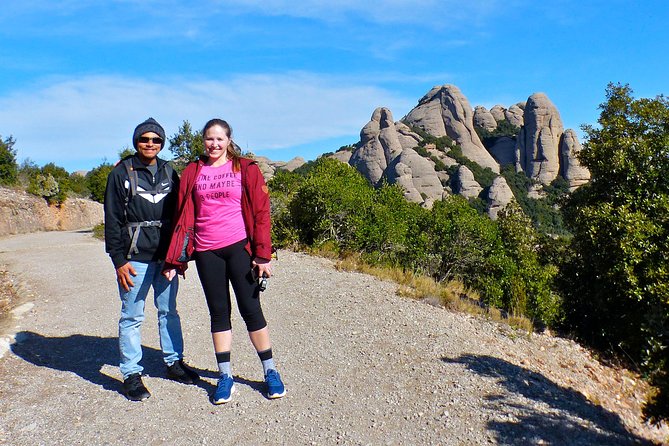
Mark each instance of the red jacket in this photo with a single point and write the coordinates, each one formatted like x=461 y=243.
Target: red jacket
x=255 y=212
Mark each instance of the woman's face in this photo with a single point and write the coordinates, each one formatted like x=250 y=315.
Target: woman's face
x=216 y=142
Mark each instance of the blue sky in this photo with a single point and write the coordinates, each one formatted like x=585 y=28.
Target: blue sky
x=299 y=78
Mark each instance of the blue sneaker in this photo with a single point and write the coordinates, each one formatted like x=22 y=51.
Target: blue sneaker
x=275 y=388
x=223 y=394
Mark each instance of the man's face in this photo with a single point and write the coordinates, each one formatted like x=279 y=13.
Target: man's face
x=148 y=147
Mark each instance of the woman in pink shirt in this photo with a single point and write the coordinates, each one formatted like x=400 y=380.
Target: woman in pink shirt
x=228 y=207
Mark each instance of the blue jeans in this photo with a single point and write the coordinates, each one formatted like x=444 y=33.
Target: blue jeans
x=132 y=316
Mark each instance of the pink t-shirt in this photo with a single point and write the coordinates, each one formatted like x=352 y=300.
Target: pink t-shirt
x=218 y=208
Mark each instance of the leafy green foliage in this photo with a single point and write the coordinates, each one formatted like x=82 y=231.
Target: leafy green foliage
x=127 y=151
x=8 y=166
x=544 y=213
x=79 y=185
x=46 y=186
x=186 y=146
x=617 y=279
x=97 y=181
x=331 y=205
x=529 y=279
x=283 y=186
x=50 y=182
x=27 y=170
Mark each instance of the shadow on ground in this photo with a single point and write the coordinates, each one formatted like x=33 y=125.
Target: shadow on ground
x=86 y=355
x=571 y=418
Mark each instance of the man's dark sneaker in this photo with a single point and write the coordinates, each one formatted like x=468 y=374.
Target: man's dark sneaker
x=134 y=388
x=179 y=371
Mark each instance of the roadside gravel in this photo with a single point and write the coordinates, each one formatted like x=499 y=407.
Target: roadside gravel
x=361 y=365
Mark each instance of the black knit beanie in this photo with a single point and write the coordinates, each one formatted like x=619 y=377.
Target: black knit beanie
x=150 y=125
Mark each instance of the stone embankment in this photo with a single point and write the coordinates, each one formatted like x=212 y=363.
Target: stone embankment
x=22 y=213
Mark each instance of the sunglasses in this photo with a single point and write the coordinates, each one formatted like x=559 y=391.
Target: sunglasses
x=146 y=139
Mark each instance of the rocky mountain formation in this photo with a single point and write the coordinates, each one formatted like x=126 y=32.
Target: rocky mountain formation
x=391 y=150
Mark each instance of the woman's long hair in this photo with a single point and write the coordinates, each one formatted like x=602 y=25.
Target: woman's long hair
x=231 y=151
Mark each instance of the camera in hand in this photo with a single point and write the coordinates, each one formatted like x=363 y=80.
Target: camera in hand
x=262 y=282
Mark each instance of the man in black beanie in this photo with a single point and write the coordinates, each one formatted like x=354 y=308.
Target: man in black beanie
x=139 y=203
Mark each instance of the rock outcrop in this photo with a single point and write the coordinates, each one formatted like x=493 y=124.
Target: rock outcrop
x=571 y=168
x=343 y=155
x=539 y=139
x=445 y=111
x=498 y=112
x=22 y=213
x=484 y=119
x=515 y=114
x=379 y=144
x=417 y=177
x=465 y=184
x=499 y=196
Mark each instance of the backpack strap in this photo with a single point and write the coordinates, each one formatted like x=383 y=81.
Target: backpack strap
x=132 y=180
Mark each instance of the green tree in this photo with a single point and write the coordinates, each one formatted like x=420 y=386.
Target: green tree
x=528 y=283
x=97 y=181
x=186 y=146
x=283 y=186
x=46 y=186
x=8 y=167
x=332 y=206
x=79 y=185
x=127 y=151
x=463 y=245
x=27 y=171
x=616 y=281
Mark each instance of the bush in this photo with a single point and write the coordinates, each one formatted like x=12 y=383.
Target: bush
x=97 y=181
x=44 y=186
x=545 y=213
x=8 y=167
x=616 y=280
x=331 y=205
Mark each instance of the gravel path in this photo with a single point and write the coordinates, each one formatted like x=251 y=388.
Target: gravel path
x=361 y=365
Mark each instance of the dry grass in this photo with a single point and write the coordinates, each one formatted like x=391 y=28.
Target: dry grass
x=453 y=295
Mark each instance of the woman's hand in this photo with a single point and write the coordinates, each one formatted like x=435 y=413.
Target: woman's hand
x=170 y=273
x=264 y=267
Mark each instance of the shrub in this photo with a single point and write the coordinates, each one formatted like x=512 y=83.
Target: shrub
x=97 y=181
x=8 y=167
x=616 y=280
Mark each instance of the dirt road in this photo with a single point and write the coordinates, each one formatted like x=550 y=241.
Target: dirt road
x=361 y=365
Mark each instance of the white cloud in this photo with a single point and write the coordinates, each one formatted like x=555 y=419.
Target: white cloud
x=382 y=11
x=71 y=120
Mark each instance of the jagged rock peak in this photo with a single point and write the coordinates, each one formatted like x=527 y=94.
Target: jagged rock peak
x=445 y=111
x=539 y=139
x=571 y=168
x=484 y=119
x=379 y=144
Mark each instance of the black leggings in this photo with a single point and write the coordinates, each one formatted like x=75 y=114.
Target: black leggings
x=217 y=269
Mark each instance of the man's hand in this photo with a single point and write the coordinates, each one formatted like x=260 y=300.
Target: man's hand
x=123 y=274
